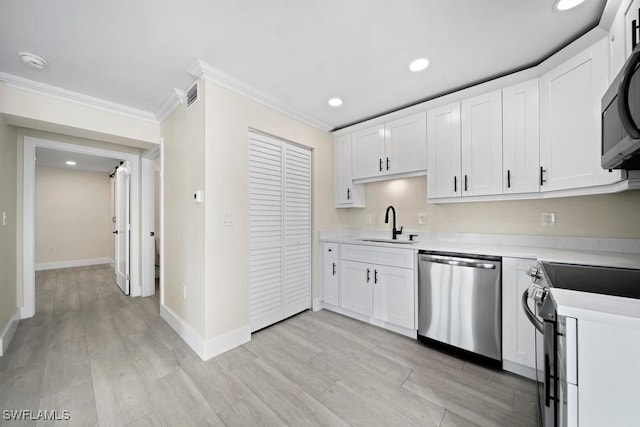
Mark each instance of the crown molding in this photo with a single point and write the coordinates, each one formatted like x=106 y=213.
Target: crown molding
x=205 y=71
x=76 y=97
x=173 y=101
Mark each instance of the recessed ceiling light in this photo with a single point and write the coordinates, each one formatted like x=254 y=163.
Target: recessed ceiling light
x=562 y=5
x=335 y=102
x=33 y=60
x=71 y=163
x=419 y=65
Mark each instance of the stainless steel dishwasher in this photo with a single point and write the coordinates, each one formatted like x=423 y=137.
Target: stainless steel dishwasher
x=459 y=301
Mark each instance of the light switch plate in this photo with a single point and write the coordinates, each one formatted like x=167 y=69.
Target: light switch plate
x=228 y=219
x=368 y=219
x=4 y=218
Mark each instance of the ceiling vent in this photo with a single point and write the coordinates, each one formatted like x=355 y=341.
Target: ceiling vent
x=192 y=94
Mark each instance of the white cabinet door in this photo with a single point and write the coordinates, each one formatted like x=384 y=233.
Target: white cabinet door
x=406 y=144
x=570 y=122
x=520 y=138
x=368 y=152
x=347 y=194
x=355 y=287
x=443 y=151
x=631 y=13
x=393 y=295
x=482 y=145
x=518 y=334
x=330 y=281
x=608 y=374
x=617 y=44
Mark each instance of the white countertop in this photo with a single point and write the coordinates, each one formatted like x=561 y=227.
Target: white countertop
x=617 y=311
x=603 y=258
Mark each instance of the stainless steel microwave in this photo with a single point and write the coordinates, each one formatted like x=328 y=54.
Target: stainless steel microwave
x=621 y=118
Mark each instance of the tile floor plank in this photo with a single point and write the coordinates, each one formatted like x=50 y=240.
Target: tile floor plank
x=179 y=403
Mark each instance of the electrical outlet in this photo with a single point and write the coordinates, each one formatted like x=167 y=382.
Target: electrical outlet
x=422 y=218
x=4 y=218
x=548 y=219
x=367 y=219
x=184 y=291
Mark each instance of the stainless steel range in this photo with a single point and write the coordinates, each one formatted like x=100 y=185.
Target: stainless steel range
x=552 y=384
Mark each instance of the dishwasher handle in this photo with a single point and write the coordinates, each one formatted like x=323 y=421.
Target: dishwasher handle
x=459 y=262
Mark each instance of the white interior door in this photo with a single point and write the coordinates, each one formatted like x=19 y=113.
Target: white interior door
x=122 y=227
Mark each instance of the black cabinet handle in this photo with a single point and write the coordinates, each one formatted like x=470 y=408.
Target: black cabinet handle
x=368 y=275
x=542 y=180
x=634 y=33
x=115 y=232
x=465 y=183
x=547 y=381
x=375 y=276
x=455 y=184
x=334 y=268
x=508 y=178
x=348 y=194
x=380 y=165
x=387 y=163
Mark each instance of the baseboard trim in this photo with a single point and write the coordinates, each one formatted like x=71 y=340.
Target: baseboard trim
x=518 y=369
x=186 y=332
x=317 y=304
x=72 y=263
x=226 y=342
x=9 y=330
x=205 y=349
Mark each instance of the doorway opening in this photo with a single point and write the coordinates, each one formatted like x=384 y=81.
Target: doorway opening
x=139 y=246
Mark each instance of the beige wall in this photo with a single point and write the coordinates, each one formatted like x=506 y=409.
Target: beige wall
x=608 y=215
x=8 y=139
x=229 y=117
x=207 y=147
x=72 y=215
x=184 y=228
x=31 y=110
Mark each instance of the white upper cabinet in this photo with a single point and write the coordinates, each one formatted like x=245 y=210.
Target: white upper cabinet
x=394 y=148
x=406 y=144
x=368 y=152
x=520 y=138
x=443 y=151
x=570 y=112
x=617 y=42
x=631 y=13
x=348 y=195
x=482 y=145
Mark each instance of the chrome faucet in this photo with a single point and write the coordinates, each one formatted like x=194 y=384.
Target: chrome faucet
x=394 y=231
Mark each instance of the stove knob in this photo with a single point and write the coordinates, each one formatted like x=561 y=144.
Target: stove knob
x=534 y=272
x=536 y=292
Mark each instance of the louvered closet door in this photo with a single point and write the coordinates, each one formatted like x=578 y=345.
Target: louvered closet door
x=297 y=230
x=279 y=230
x=265 y=232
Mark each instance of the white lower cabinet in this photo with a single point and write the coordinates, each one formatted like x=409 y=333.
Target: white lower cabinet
x=369 y=290
x=518 y=334
x=356 y=289
x=393 y=290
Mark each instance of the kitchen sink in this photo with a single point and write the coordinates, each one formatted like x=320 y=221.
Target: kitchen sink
x=401 y=242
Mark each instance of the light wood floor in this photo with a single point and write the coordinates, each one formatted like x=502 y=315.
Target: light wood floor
x=111 y=360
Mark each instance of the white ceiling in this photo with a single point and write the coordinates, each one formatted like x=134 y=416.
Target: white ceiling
x=301 y=52
x=56 y=159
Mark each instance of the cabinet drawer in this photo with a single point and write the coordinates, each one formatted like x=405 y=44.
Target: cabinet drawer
x=393 y=257
x=330 y=249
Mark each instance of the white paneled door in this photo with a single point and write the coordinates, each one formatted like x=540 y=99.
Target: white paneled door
x=279 y=230
x=122 y=227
